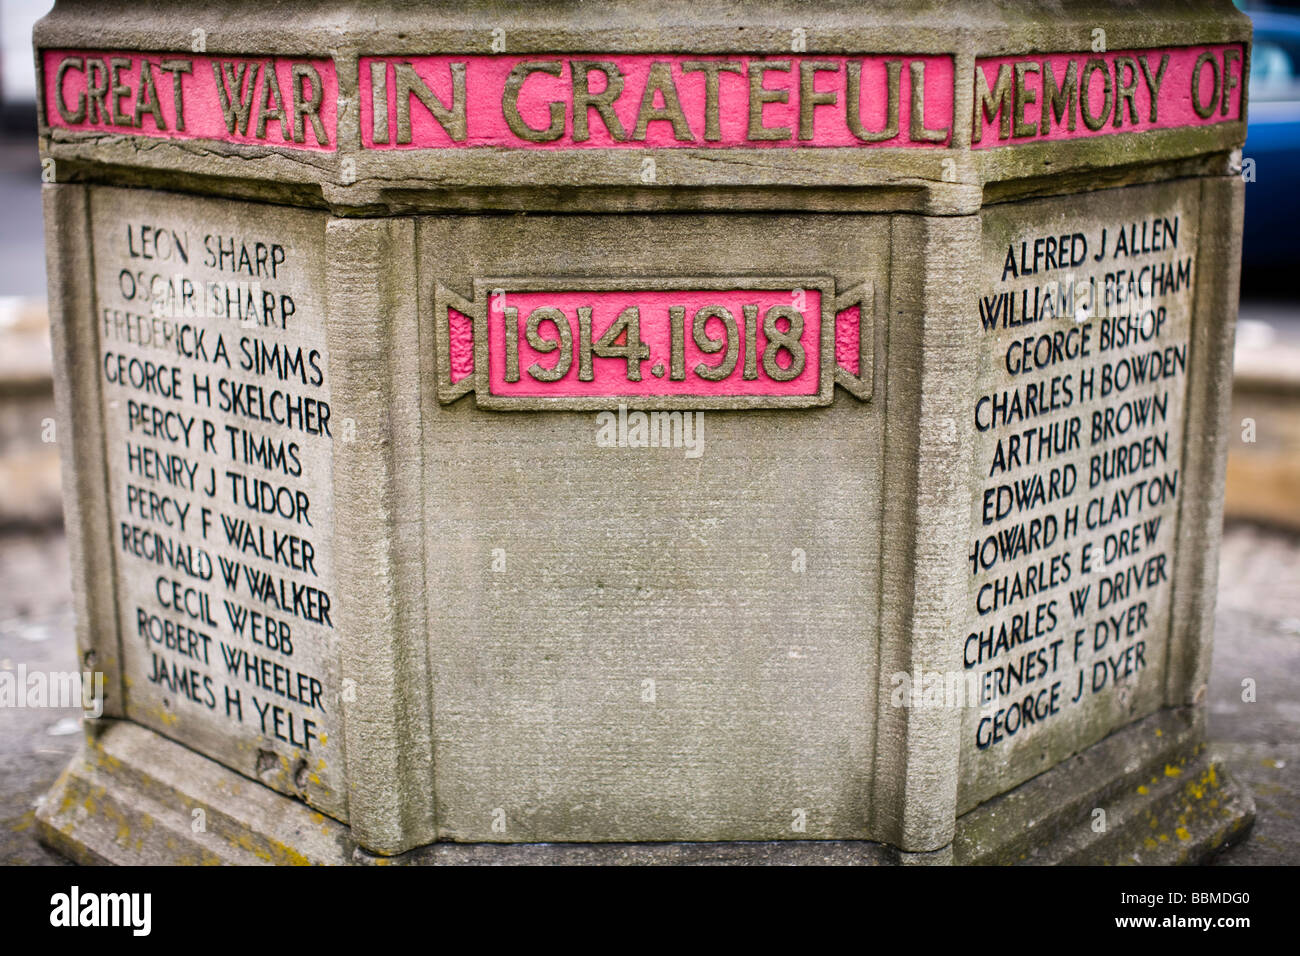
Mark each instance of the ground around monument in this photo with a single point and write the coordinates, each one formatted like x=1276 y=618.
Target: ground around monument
x=1257 y=647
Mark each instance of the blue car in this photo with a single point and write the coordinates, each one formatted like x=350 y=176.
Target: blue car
x=1272 y=239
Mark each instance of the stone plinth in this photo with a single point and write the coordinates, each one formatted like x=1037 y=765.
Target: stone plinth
x=793 y=434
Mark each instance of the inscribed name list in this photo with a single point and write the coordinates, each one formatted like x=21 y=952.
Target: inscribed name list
x=1084 y=311
x=218 y=435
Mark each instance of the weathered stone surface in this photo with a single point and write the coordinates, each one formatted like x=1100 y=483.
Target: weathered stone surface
x=1076 y=478
x=529 y=605
x=1148 y=794
x=135 y=797
x=600 y=686
x=931 y=180
x=217 y=434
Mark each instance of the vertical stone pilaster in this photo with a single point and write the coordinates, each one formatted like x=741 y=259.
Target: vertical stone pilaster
x=929 y=378
x=80 y=433
x=374 y=366
x=1207 y=435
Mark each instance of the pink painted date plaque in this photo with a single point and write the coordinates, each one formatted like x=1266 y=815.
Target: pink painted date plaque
x=673 y=343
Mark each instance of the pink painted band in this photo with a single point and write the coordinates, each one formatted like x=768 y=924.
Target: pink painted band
x=137 y=94
x=609 y=375
x=848 y=340
x=1192 y=86
x=664 y=101
x=484 y=103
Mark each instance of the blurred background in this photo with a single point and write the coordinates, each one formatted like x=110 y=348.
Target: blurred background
x=1258 y=623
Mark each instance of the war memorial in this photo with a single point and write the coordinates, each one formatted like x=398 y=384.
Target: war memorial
x=686 y=432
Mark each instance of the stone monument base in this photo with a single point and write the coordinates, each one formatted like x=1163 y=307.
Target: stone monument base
x=131 y=796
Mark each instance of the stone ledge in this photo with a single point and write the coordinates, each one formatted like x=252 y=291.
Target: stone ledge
x=1165 y=800
x=130 y=797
